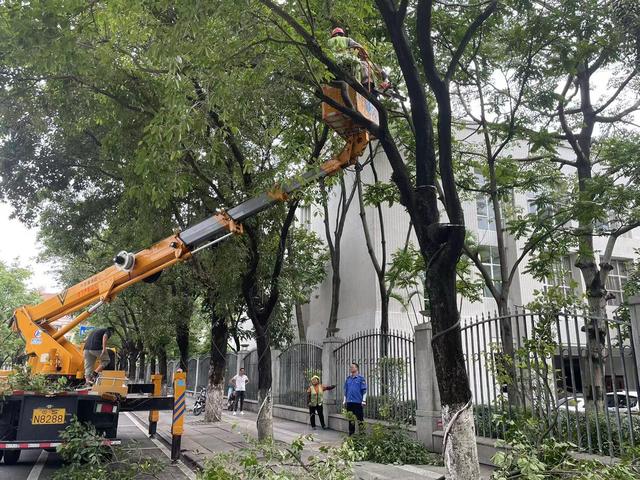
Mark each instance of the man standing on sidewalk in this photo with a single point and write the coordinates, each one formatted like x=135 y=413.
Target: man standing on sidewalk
x=239 y=382
x=355 y=397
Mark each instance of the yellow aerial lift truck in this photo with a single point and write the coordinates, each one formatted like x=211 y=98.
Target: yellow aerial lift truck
x=29 y=420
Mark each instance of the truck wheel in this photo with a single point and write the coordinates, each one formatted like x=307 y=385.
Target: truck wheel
x=11 y=457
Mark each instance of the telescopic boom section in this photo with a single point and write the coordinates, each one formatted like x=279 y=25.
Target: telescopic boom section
x=51 y=353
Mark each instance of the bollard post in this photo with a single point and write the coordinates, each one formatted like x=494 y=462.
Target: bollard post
x=154 y=415
x=179 y=407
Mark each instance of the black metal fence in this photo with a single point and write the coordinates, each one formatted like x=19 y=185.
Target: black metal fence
x=575 y=374
x=298 y=364
x=198 y=371
x=387 y=361
x=192 y=374
x=251 y=371
x=203 y=372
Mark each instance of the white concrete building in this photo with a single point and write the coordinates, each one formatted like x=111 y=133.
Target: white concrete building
x=360 y=299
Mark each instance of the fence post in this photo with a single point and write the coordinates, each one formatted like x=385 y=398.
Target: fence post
x=195 y=382
x=242 y=357
x=275 y=375
x=329 y=374
x=428 y=413
x=634 y=313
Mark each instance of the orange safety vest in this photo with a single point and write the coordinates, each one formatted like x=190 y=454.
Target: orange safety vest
x=317 y=393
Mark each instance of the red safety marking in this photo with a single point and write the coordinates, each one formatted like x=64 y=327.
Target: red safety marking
x=77 y=392
x=34 y=445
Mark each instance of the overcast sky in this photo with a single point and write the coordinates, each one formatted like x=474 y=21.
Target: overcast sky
x=21 y=244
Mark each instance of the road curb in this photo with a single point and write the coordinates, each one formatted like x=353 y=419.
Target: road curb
x=185 y=455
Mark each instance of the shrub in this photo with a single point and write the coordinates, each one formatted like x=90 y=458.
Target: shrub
x=584 y=431
x=86 y=458
x=570 y=424
x=391 y=410
x=23 y=379
x=530 y=458
x=271 y=461
x=384 y=444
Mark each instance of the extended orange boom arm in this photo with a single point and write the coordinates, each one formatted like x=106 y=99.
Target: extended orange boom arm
x=51 y=353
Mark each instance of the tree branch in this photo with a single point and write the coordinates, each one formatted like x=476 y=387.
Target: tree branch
x=468 y=35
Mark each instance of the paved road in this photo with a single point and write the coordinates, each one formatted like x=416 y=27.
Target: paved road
x=40 y=465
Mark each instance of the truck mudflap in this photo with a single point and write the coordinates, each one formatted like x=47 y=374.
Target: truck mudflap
x=45 y=445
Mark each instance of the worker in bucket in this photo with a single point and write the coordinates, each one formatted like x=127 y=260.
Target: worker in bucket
x=353 y=57
x=95 y=348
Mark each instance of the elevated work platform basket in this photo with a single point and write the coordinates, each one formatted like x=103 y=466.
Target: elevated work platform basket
x=338 y=121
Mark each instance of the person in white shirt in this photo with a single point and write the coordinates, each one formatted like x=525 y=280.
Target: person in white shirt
x=239 y=382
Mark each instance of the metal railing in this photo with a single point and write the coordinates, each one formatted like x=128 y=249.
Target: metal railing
x=198 y=371
x=576 y=374
x=298 y=363
x=387 y=361
x=193 y=365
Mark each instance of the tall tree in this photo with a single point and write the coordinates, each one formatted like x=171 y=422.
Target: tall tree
x=333 y=236
x=440 y=40
x=588 y=42
x=144 y=117
x=14 y=292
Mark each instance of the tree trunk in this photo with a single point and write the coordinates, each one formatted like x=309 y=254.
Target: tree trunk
x=132 y=358
x=122 y=359
x=264 y=422
x=592 y=275
x=334 y=247
x=302 y=331
x=506 y=359
x=162 y=363
x=384 y=306
x=182 y=339
x=460 y=450
x=260 y=313
x=142 y=372
x=217 y=364
x=153 y=364
x=593 y=383
x=332 y=327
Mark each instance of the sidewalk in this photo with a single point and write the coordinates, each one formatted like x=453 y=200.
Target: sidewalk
x=202 y=440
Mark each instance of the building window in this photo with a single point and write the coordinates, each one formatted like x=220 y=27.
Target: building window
x=538 y=204
x=484 y=206
x=616 y=280
x=304 y=216
x=610 y=225
x=560 y=277
x=491 y=261
x=532 y=206
x=486 y=217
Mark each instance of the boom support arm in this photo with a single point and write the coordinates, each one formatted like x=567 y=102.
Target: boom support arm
x=48 y=349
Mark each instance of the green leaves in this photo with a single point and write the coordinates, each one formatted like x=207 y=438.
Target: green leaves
x=381 y=193
x=86 y=457
x=14 y=292
x=271 y=461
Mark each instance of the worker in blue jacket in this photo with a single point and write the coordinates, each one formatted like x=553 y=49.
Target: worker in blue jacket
x=355 y=396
